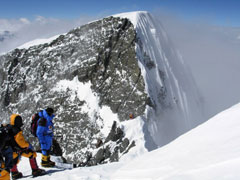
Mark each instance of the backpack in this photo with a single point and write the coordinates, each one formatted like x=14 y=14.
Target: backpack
x=5 y=134
x=34 y=124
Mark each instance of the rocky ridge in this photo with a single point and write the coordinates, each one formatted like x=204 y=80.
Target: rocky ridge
x=100 y=54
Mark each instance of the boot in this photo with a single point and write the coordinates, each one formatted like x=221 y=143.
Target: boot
x=51 y=162
x=38 y=172
x=15 y=173
x=35 y=170
x=46 y=162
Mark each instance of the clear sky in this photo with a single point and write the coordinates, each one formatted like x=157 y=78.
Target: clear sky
x=224 y=12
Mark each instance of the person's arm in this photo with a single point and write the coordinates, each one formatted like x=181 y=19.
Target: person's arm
x=20 y=140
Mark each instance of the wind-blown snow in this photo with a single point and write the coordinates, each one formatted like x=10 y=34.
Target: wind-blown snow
x=178 y=106
x=132 y=16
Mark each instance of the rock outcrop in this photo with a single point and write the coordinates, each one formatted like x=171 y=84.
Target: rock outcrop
x=100 y=54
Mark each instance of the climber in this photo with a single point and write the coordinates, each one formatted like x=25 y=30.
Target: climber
x=22 y=148
x=5 y=161
x=6 y=153
x=45 y=135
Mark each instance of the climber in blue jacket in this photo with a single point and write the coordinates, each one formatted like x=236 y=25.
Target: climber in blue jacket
x=45 y=135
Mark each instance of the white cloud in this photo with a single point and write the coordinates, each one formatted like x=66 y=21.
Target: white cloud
x=10 y=24
x=212 y=52
x=24 y=20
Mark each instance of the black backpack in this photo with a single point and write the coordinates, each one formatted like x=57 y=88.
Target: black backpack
x=34 y=124
x=5 y=134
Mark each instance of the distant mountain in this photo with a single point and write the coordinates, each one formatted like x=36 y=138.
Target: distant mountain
x=99 y=77
x=4 y=35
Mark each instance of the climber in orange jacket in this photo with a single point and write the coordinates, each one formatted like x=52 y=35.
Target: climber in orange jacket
x=22 y=148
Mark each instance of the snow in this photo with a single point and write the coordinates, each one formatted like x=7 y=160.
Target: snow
x=210 y=151
x=101 y=172
x=91 y=101
x=133 y=129
x=37 y=42
x=132 y=16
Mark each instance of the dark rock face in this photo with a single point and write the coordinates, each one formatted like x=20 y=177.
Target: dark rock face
x=115 y=145
x=101 y=53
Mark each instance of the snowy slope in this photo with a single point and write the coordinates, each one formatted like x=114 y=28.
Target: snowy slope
x=208 y=152
x=101 y=172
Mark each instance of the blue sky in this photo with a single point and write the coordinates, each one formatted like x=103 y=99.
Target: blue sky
x=223 y=12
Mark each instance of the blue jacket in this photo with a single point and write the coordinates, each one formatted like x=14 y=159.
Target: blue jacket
x=45 y=130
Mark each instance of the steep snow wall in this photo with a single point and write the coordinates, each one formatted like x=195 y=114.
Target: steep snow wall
x=176 y=105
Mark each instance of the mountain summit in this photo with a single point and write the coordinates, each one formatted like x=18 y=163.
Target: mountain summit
x=99 y=76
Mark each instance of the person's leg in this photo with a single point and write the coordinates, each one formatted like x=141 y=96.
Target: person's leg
x=49 y=150
x=14 y=171
x=32 y=159
x=4 y=174
x=46 y=162
x=8 y=154
x=33 y=163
